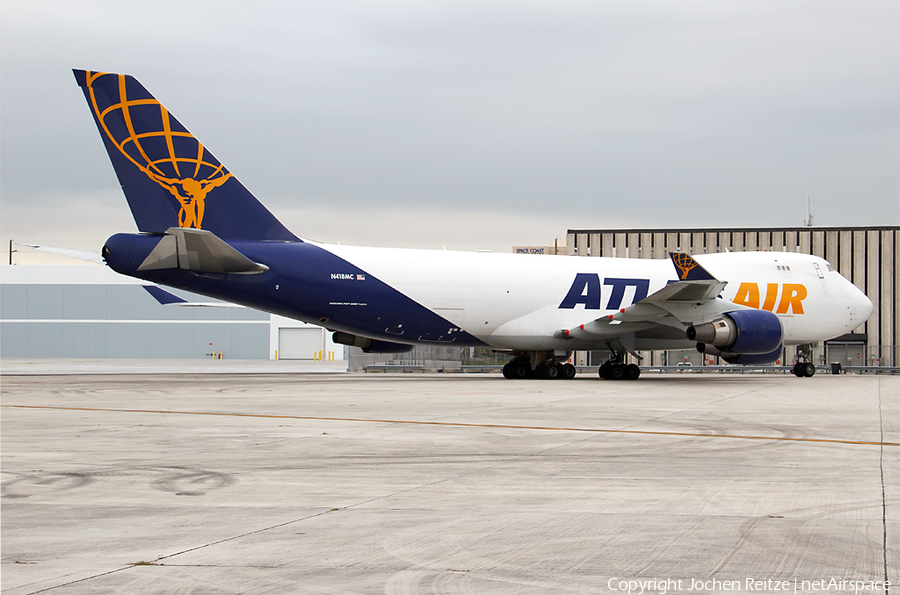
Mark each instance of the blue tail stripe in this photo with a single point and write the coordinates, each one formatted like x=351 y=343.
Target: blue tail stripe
x=300 y=284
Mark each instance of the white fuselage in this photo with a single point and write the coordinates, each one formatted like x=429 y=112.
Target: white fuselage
x=513 y=301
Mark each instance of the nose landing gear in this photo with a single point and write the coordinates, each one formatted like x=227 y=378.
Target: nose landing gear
x=804 y=368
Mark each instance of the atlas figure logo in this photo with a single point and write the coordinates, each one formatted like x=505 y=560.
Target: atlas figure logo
x=685 y=264
x=146 y=134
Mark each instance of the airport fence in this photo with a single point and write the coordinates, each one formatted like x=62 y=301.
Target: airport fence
x=858 y=359
x=849 y=355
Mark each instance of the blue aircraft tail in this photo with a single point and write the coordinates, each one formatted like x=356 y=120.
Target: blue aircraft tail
x=169 y=178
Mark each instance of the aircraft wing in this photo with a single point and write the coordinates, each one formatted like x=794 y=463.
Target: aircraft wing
x=692 y=299
x=689 y=300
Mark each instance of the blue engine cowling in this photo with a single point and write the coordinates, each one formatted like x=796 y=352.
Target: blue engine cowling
x=752 y=359
x=741 y=332
x=370 y=345
x=387 y=347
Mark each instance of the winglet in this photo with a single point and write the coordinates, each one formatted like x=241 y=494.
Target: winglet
x=689 y=269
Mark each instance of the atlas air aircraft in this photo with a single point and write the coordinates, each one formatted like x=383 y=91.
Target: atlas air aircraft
x=202 y=231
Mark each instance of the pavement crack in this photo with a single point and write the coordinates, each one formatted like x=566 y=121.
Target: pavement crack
x=887 y=588
x=246 y=534
x=81 y=580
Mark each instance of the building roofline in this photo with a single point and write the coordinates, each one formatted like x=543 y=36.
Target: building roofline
x=730 y=229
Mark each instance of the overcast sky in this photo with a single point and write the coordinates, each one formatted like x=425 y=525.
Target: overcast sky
x=472 y=125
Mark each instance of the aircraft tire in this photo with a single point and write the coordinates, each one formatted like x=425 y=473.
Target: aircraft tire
x=796 y=370
x=617 y=372
x=569 y=372
x=604 y=371
x=552 y=372
x=507 y=372
x=809 y=369
x=633 y=372
x=520 y=371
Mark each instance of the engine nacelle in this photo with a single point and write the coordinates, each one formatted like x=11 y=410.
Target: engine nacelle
x=370 y=345
x=742 y=332
x=755 y=359
x=742 y=358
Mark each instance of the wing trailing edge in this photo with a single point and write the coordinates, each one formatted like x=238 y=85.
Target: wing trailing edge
x=681 y=303
x=691 y=298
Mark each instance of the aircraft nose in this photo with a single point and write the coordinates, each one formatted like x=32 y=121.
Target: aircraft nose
x=860 y=306
x=864 y=307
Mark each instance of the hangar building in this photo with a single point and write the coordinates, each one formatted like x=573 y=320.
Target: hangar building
x=868 y=256
x=90 y=311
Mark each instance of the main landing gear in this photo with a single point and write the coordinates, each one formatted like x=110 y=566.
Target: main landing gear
x=546 y=364
x=804 y=368
x=520 y=368
x=616 y=370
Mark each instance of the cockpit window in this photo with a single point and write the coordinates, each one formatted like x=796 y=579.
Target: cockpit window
x=829 y=267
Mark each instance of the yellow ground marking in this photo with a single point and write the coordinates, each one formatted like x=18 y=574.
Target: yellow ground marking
x=456 y=424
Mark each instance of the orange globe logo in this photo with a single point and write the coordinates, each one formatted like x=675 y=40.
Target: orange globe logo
x=154 y=141
x=684 y=263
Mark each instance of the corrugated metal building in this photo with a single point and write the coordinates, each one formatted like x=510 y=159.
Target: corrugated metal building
x=92 y=312
x=867 y=256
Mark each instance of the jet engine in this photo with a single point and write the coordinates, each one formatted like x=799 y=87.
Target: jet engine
x=750 y=359
x=370 y=345
x=740 y=337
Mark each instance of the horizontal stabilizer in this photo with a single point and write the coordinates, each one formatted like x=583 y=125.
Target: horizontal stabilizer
x=200 y=251
x=170 y=299
x=162 y=296
x=86 y=255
